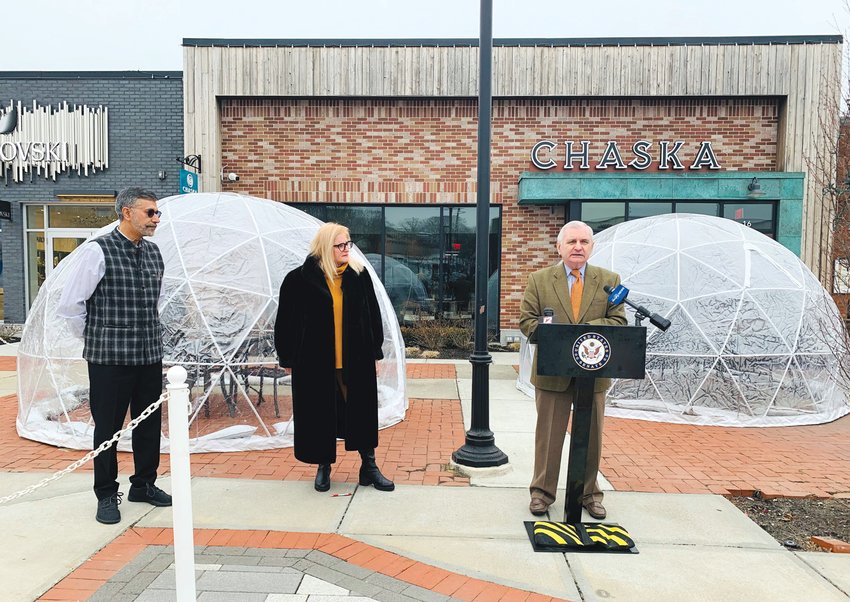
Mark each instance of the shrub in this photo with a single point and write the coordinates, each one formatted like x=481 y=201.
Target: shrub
x=438 y=334
x=460 y=337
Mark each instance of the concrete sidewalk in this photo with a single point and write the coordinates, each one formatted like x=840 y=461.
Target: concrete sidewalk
x=281 y=540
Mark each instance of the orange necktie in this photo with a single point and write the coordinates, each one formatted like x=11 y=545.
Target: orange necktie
x=575 y=293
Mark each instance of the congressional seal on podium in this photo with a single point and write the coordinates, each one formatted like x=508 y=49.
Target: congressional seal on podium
x=591 y=351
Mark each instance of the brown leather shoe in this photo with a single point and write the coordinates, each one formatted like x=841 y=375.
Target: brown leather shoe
x=596 y=510
x=538 y=506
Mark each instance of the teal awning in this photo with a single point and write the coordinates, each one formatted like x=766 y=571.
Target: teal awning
x=560 y=187
x=552 y=188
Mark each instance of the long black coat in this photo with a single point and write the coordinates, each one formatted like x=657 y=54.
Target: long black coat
x=304 y=339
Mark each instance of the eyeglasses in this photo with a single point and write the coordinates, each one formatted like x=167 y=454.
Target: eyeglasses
x=152 y=212
x=344 y=246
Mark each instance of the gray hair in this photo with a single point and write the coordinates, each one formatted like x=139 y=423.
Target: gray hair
x=574 y=224
x=129 y=196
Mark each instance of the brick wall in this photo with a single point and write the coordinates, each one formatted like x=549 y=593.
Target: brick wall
x=424 y=151
x=145 y=136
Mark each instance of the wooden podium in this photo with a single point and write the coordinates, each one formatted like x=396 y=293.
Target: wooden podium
x=587 y=352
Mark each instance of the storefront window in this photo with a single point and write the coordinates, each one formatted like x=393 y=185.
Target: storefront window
x=75 y=216
x=602 y=215
x=425 y=256
x=35 y=216
x=412 y=274
x=698 y=208
x=493 y=284
x=459 y=262
x=758 y=216
x=365 y=224
x=642 y=209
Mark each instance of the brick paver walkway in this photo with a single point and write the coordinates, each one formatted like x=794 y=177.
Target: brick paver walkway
x=414 y=451
x=791 y=461
x=431 y=371
x=103 y=566
x=637 y=455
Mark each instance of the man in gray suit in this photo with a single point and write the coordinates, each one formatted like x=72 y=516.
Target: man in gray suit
x=574 y=290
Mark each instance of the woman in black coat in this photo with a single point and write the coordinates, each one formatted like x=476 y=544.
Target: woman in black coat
x=329 y=333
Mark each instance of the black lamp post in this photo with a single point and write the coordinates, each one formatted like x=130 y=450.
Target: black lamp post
x=480 y=448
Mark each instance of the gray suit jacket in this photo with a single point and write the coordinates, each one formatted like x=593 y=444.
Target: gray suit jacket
x=549 y=287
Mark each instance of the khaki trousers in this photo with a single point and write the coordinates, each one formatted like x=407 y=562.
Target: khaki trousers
x=553 y=415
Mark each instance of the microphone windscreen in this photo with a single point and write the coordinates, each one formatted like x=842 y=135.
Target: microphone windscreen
x=617 y=294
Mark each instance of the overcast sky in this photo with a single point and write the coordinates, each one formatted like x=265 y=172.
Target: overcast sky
x=147 y=34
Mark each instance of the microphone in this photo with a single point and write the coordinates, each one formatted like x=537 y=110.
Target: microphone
x=620 y=293
x=548 y=312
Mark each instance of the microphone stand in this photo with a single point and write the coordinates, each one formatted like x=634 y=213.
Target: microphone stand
x=641 y=312
x=639 y=317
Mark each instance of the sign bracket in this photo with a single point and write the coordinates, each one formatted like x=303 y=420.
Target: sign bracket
x=193 y=161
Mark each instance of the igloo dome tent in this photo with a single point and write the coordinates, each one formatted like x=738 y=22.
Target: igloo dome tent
x=755 y=339
x=225 y=258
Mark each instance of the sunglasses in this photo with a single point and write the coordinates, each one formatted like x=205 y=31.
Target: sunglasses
x=152 y=212
x=344 y=246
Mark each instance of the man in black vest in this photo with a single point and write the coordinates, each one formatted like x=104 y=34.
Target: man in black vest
x=111 y=303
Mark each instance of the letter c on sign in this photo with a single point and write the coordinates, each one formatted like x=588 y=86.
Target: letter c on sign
x=535 y=159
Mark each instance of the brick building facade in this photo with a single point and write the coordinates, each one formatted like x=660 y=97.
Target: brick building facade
x=423 y=152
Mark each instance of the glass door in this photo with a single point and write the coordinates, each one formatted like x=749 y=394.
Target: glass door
x=60 y=244
x=52 y=232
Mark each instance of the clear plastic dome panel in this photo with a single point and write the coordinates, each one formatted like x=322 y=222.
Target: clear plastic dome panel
x=242 y=273
x=752 y=332
x=755 y=339
x=710 y=234
x=638 y=258
x=660 y=272
x=765 y=271
x=708 y=274
x=198 y=245
x=225 y=258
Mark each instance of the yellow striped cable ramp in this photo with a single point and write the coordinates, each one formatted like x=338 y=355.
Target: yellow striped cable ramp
x=611 y=537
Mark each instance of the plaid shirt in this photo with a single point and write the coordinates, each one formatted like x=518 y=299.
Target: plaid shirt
x=123 y=326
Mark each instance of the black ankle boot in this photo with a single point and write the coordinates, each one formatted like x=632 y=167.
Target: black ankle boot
x=369 y=473
x=323 y=477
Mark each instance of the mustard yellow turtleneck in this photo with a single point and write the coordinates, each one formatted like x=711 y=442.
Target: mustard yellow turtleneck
x=335 y=287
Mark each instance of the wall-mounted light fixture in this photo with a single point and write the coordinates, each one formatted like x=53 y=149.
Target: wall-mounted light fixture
x=161 y=174
x=754 y=188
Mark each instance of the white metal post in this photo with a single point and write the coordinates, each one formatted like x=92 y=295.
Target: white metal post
x=178 y=435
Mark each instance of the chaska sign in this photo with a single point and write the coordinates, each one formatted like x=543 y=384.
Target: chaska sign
x=665 y=154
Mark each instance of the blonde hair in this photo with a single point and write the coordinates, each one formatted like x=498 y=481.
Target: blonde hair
x=321 y=247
